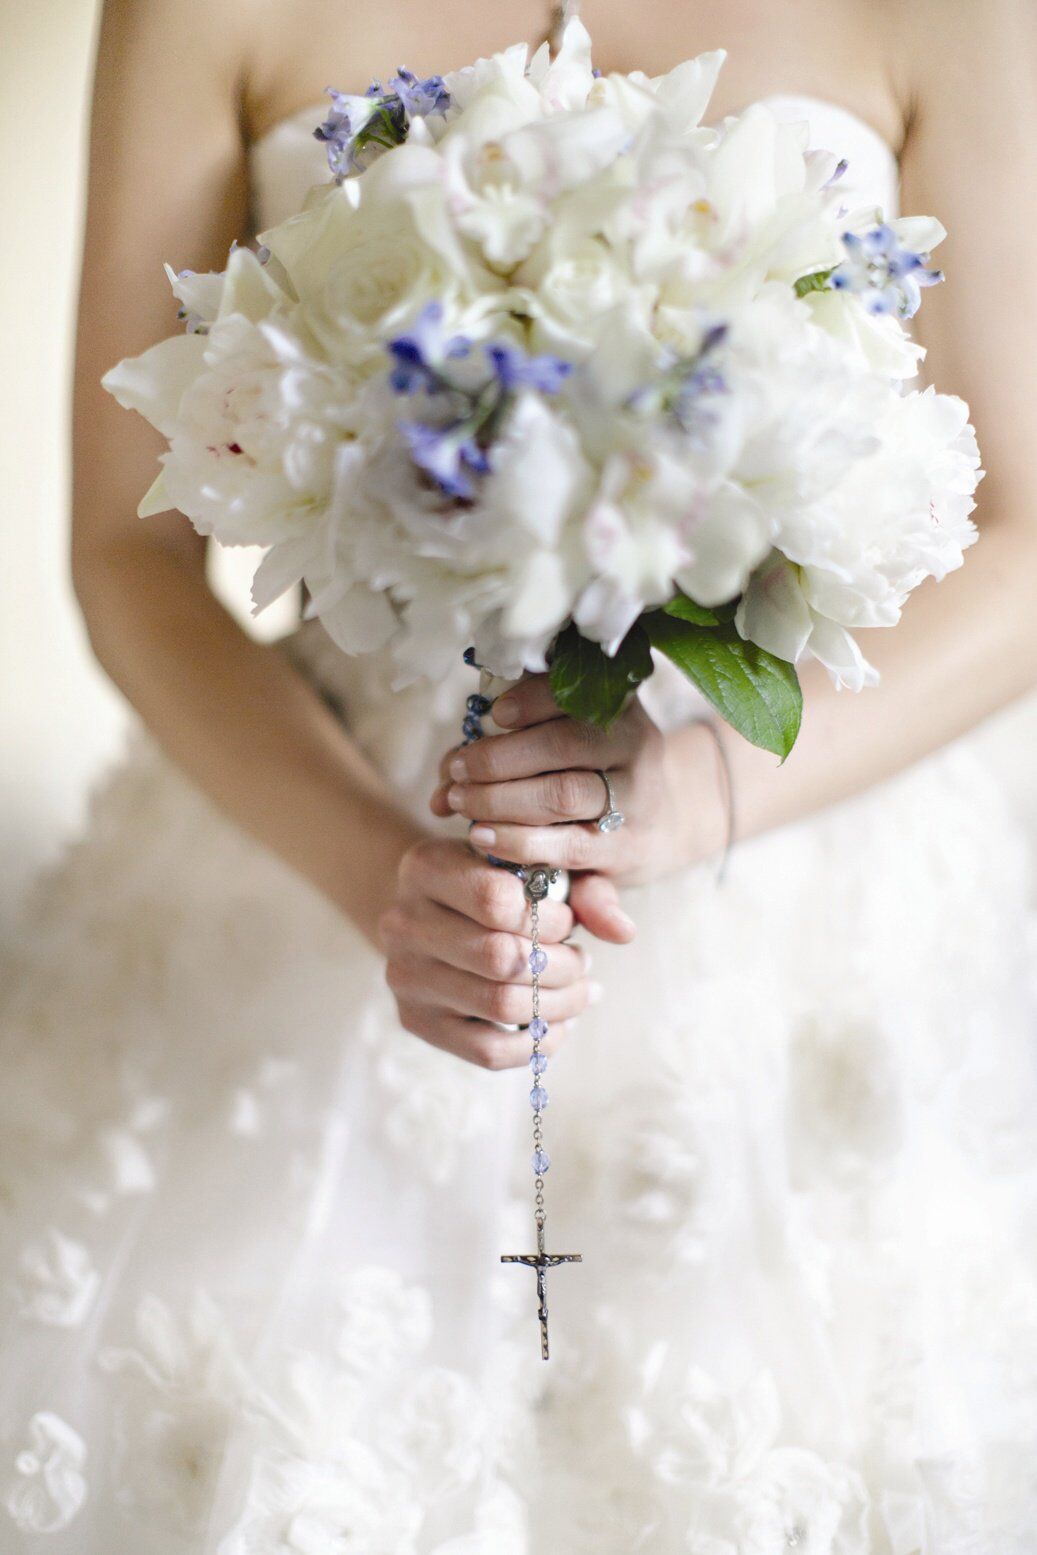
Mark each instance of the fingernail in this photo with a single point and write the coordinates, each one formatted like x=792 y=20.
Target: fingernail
x=588 y=959
x=458 y=770
x=505 y=710
x=483 y=836
x=621 y=919
x=455 y=797
x=593 y=992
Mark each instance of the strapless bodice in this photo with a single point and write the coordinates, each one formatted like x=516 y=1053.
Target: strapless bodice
x=287 y=159
x=405 y=733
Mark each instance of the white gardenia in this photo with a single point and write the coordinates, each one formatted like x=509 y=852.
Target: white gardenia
x=715 y=432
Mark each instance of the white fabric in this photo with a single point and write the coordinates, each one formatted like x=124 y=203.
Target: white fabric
x=251 y=1299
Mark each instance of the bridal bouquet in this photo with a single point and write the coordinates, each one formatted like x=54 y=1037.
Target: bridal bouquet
x=552 y=369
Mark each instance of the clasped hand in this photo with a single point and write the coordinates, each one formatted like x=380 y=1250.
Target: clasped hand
x=456 y=937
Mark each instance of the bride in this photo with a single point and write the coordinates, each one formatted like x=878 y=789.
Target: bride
x=263 y=1126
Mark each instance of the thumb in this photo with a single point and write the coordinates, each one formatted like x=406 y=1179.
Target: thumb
x=595 y=903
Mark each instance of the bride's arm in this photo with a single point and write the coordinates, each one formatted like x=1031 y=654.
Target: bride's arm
x=965 y=647
x=167 y=181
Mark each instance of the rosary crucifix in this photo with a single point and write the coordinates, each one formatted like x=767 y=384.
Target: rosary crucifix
x=536 y=881
x=541 y=1262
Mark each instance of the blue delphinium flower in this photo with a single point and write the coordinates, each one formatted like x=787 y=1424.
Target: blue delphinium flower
x=699 y=378
x=450 y=452
x=885 y=275
x=420 y=355
x=381 y=117
x=354 y=122
x=686 y=384
x=514 y=369
x=420 y=98
x=447 y=453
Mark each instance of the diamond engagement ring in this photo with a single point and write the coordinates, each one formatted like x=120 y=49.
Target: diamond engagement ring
x=610 y=818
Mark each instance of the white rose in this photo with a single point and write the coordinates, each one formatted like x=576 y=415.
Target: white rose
x=573 y=289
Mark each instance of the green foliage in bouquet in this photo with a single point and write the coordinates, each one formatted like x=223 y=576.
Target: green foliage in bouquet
x=757 y=693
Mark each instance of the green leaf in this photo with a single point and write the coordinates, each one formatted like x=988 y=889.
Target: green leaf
x=685 y=609
x=588 y=684
x=817 y=281
x=758 y=694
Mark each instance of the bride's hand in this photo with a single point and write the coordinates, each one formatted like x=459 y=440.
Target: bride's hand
x=534 y=792
x=457 y=948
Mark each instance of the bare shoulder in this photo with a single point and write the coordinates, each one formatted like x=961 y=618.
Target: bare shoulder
x=959 y=55
x=202 y=43
x=167 y=182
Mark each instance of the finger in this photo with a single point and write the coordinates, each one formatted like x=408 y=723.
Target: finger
x=479 y=1042
x=530 y=702
x=579 y=846
x=448 y=871
x=422 y=980
x=546 y=747
x=595 y=902
x=438 y=932
x=573 y=794
x=438 y=802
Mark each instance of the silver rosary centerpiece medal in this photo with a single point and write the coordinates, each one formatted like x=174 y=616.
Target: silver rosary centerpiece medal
x=537 y=880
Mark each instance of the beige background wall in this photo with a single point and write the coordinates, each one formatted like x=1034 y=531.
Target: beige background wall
x=60 y=721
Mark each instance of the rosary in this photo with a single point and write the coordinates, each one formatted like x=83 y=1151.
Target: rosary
x=537 y=880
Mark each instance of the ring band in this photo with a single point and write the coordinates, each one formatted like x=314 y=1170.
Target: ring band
x=610 y=818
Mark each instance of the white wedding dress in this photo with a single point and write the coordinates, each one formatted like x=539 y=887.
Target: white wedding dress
x=250 y=1230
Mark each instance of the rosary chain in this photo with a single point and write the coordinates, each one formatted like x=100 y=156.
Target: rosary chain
x=540 y=1213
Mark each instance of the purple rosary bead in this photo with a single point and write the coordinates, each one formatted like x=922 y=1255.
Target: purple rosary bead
x=538 y=1098
x=537 y=960
x=541 y=1161
x=538 y=1062
x=538 y=1028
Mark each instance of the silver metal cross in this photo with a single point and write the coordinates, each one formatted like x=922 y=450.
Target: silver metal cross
x=541 y=1262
